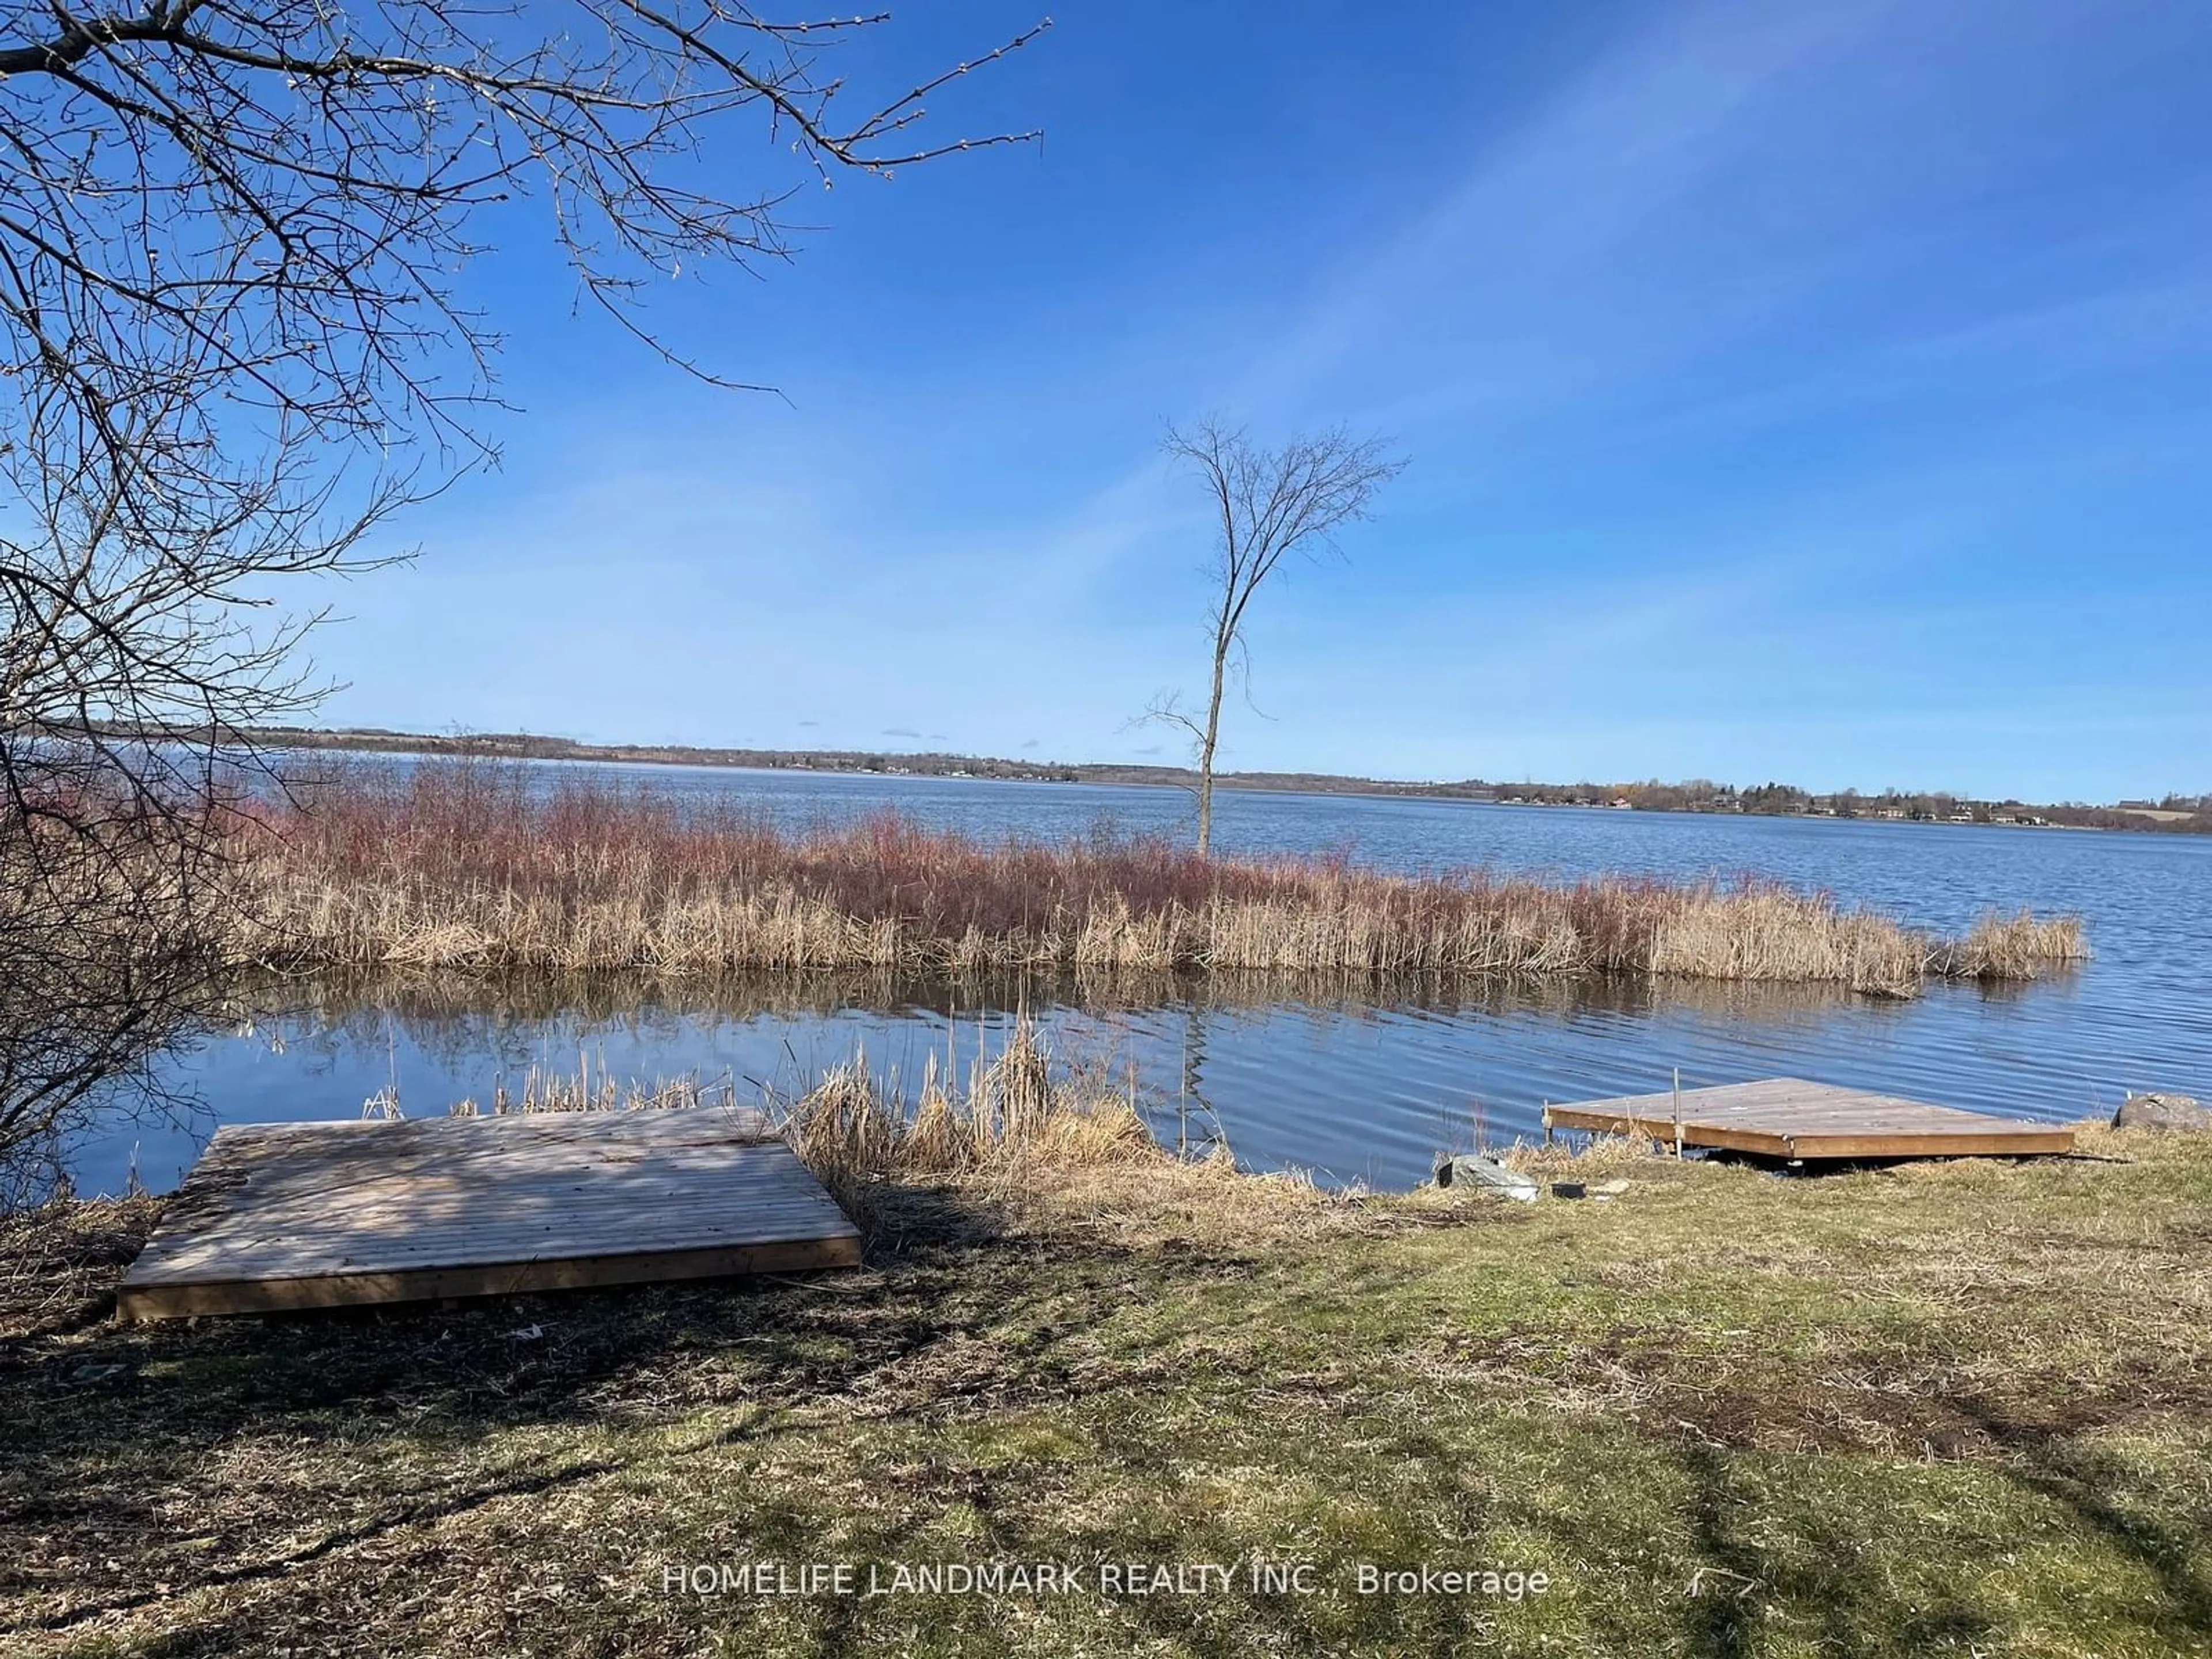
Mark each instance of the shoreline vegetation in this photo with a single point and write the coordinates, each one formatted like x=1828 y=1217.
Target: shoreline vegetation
x=2174 y=814
x=1935 y=1407
x=477 y=866
x=1021 y=1116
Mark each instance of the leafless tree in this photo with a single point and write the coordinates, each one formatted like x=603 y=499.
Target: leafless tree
x=1268 y=504
x=233 y=340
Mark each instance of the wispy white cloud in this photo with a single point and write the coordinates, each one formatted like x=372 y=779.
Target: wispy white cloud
x=1739 y=341
x=1555 y=201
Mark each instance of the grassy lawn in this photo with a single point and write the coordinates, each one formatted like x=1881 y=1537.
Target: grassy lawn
x=1932 y=1409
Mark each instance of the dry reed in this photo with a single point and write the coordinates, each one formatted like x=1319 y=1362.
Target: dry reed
x=471 y=866
x=1017 y=1117
x=544 y=1089
x=1018 y=1122
x=2018 y=946
x=1040 y=1146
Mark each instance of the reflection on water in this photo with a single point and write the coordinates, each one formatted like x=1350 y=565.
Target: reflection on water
x=1355 y=1078
x=352 y=1002
x=1358 y=1078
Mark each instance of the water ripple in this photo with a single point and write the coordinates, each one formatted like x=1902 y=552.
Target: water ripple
x=1356 y=1089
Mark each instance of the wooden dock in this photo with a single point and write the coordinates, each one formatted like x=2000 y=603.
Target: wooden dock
x=318 y=1215
x=1788 y=1118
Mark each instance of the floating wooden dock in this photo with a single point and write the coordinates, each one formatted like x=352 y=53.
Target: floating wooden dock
x=1788 y=1118
x=319 y=1215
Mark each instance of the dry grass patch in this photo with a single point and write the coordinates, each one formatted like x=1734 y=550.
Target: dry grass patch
x=1589 y=1157
x=58 y=1259
x=1017 y=1114
x=1044 y=1147
x=478 y=867
x=1890 y=1413
x=2019 y=947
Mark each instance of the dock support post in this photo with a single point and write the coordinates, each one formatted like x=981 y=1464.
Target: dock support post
x=1677 y=1111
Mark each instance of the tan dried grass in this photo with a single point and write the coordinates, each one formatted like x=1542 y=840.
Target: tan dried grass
x=452 y=868
x=1018 y=1115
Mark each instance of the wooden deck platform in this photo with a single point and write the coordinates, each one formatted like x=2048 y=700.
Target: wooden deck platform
x=315 y=1215
x=1788 y=1118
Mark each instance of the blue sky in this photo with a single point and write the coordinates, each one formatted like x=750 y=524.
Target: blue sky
x=1819 y=391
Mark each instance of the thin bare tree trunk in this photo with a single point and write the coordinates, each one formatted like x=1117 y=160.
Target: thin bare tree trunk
x=1206 y=750
x=1271 y=502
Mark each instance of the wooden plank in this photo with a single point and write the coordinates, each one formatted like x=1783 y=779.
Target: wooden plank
x=328 y=1214
x=179 y=1301
x=1788 y=1117
x=1956 y=1143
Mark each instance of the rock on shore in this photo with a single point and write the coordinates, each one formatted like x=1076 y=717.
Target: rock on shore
x=2162 y=1112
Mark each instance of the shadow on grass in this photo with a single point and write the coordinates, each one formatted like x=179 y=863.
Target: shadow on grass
x=1834 y=1576
x=104 y=1424
x=276 y=1425
x=2064 y=1472
x=152 y=1464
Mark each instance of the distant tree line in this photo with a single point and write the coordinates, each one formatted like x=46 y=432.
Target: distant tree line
x=1772 y=800
x=2188 y=813
x=526 y=746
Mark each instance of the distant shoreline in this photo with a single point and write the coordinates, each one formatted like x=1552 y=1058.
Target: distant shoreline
x=1699 y=798
x=477 y=870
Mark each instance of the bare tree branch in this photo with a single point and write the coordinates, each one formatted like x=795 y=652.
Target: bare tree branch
x=1267 y=504
x=232 y=343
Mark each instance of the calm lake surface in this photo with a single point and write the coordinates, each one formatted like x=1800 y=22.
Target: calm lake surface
x=1357 y=1083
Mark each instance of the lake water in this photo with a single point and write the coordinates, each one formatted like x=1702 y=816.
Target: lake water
x=1357 y=1083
